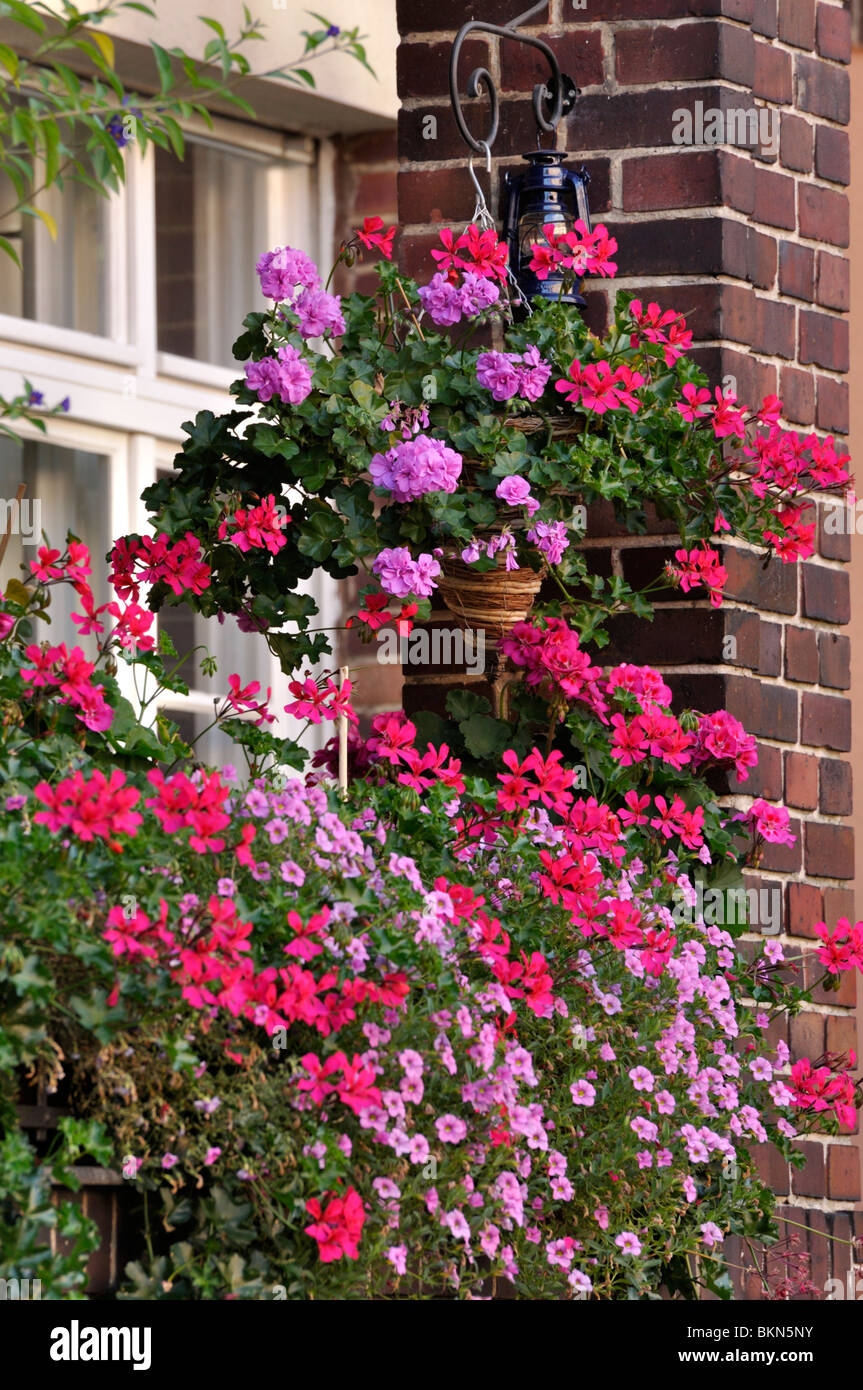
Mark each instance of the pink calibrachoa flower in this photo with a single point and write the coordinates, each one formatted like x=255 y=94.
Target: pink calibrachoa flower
x=582 y=1092
x=628 y=1243
x=450 y=1129
x=397 y=1255
x=212 y=1154
x=711 y=1234
x=169 y=1160
x=641 y=1078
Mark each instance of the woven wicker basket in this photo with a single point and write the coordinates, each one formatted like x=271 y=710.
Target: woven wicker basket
x=494 y=601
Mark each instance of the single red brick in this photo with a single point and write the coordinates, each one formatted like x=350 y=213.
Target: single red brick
x=836 y=787
x=823 y=89
x=829 y=850
x=824 y=214
x=736 y=54
x=833 y=281
x=755 y=379
x=774 y=199
x=801 y=654
x=797 y=22
x=658 y=53
x=647 y=248
x=836 y=525
x=738 y=181
x=579 y=52
x=832 y=405
x=421 y=68
x=834 y=652
x=801 y=781
x=773 y=588
x=796 y=270
x=796 y=143
x=773 y=1168
x=832 y=154
x=824 y=340
x=769 y=649
x=797 y=390
x=843 y=1169
x=841 y=1033
x=766 y=778
x=772 y=77
x=826 y=722
x=826 y=593
x=764 y=17
x=834 y=33
x=846 y=995
x=807 y=1034
x=680 y=180
x=808 y=1181
x=805 y=908
x=435 y=195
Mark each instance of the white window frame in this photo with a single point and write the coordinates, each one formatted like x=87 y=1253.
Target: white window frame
x=128 y=399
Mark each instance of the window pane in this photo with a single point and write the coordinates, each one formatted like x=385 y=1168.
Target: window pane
x=62 y=282
x=214 y=210
x=66 y=490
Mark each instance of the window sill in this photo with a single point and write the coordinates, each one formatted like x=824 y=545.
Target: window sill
x=68 y=341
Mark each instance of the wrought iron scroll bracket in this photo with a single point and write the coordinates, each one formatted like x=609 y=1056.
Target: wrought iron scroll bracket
x=551 y=99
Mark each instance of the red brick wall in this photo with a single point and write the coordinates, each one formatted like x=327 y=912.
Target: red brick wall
x=753 y=248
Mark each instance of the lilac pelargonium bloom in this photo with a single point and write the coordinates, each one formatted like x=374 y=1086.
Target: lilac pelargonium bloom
x=286 y=375
x=496 y=371
x=415 y=467
x=319 y=313
x=401 y=575
x=441 y=301
x=508 y=374
x=515 y=491
x=280 y=272
x=477 y=294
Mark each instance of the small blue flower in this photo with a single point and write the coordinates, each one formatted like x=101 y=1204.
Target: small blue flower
x=35 y=398
x=333 y=31
x=65 y=404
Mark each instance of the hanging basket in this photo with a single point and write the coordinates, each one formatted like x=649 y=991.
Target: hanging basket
x=494 y=600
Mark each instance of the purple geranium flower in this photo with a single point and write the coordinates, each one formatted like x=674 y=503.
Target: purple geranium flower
x=441 y=301
x=319 y=313
x=280 y=272
x=286 y=375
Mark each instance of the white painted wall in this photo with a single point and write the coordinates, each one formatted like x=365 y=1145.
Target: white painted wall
x=339 y=78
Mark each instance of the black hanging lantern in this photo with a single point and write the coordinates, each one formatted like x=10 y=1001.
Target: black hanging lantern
x=547 y=192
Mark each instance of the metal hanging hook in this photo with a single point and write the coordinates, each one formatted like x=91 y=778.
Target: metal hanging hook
x=481 y=214
x=476 y=183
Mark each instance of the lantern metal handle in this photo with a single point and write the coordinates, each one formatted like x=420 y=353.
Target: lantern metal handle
x=559 y=92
